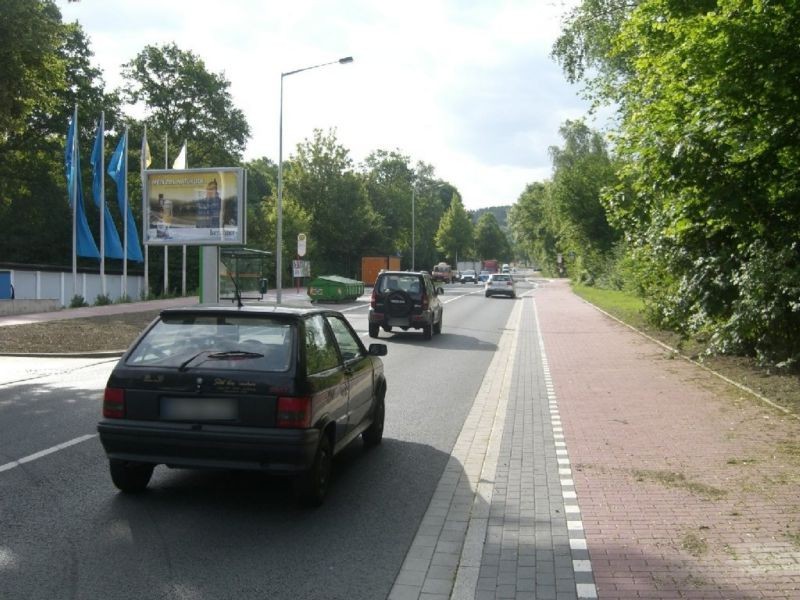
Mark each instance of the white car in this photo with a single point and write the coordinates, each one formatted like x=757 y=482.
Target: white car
x=500 y=284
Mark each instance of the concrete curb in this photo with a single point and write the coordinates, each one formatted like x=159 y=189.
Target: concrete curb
x=97 y=354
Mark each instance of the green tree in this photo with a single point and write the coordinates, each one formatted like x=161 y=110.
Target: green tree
x=455 y=236
x=582 y=170
x=32 y=65
x=490 y=241
x=428 y=211
x=186 y=102
x=534 y=226
x=388 y=179
x=322 y=181
x=709 y=144
x=46 y=70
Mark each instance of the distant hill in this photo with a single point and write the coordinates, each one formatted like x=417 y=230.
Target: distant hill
x=500 y=213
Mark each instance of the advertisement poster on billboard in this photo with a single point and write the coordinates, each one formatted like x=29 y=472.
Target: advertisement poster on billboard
x=200 y=207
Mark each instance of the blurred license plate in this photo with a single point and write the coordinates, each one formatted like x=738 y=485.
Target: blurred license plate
x=205 y=409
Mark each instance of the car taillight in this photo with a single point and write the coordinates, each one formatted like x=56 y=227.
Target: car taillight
x=509 y=283
x=294 y=412
x=424 y=301
x=374 y=298
x=114 y=403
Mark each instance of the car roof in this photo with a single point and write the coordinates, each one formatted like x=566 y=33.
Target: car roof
x=248 y=309
x=403 y=273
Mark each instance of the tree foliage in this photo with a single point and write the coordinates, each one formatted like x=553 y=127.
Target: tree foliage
x=709 y=149
x=490 y=241
x=185 y=101
x=322 y=181
x=46 y=68
x=454 y=238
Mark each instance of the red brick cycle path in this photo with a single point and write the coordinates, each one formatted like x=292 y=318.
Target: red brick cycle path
x=688 y=487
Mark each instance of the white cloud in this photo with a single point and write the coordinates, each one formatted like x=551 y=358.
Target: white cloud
x=467 y=86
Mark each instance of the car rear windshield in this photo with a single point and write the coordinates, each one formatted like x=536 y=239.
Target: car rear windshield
x=217 y=342
x=501 y=278
x=410 y=284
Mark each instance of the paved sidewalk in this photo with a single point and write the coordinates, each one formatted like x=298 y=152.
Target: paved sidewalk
x=594 y=465
x=688 y=487
x=503 y=522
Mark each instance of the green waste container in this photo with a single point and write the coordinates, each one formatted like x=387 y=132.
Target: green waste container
x=332 y=288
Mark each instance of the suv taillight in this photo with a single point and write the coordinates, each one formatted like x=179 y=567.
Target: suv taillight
x=114 y=403
x=294 y=412
x=424 y=300
x=374 y=298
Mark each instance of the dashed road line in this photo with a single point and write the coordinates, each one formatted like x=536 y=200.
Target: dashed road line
x=46 y=452
x=585 y=587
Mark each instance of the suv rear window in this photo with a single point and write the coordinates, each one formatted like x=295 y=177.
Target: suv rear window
x=174 y=340
x=410 y=284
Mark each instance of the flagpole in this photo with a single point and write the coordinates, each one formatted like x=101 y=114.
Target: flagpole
x=166 y=248
x=102 y=203
x=183 y=270
x=125 y=221
x=74 y=192
x=142 y=167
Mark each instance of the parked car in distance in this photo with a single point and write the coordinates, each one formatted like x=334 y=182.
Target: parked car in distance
x=274 y=389
x=483 y=276
x=469 y=276
x=500 y=284
x=408 y=300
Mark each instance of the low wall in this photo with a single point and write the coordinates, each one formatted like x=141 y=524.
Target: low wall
x=23 y=307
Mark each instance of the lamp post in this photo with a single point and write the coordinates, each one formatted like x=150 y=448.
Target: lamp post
x=413 y=229
x=279 y=236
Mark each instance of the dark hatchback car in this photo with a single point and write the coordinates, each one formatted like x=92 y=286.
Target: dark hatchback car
x=273 y=389
x=408 y=300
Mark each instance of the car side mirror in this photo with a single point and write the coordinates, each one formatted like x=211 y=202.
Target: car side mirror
x=378 y=350
x=440 y=291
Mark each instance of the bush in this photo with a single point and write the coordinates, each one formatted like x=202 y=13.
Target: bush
x=103 y=300
x=77 y=302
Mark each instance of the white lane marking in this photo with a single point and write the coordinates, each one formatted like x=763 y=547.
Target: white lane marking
x=577 y=541
x=42 y=453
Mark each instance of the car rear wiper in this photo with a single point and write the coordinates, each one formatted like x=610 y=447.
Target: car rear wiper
x=184 y=364
x=224 y=355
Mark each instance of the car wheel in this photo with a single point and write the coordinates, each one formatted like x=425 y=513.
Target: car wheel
x=312 y=486
x=387 y=328
x=487 y=294
x=373 y=330
x=130 y=477
x=427 y=331
x=437 y=327
x=373 y=435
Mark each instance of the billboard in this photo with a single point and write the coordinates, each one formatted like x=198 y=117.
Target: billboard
x=195 y=207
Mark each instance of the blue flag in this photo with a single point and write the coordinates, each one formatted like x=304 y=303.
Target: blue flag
x=85 y=242
x=118 y=171
x=113 y=247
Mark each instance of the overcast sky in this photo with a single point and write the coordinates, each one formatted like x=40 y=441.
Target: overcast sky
x=465 y=85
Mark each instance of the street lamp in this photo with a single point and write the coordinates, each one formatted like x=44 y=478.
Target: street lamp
x=279 y=242
x=413 y=228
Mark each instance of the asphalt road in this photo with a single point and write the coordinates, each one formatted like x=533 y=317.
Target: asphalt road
x=65 y=532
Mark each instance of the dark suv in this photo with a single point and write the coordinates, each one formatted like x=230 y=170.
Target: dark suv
x=408 y=300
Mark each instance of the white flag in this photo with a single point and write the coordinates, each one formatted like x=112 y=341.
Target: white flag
x=180 y=160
